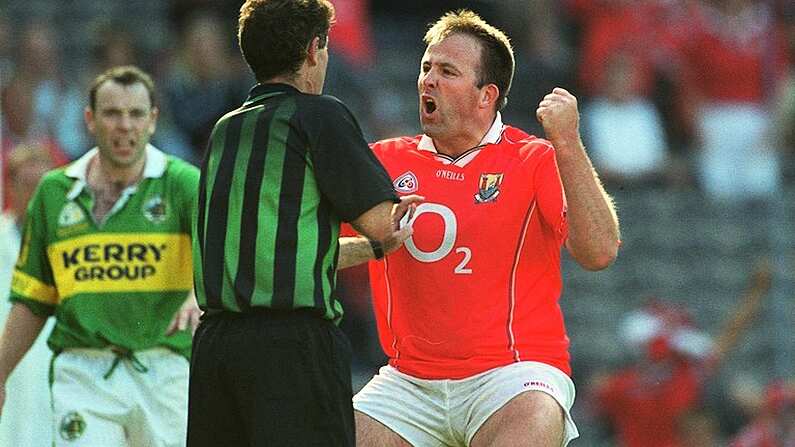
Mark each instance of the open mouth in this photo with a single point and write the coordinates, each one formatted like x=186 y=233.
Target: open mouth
x=120 y=142
x=428 y=105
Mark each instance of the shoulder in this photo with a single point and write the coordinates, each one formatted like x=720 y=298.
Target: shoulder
x=176 y=165
x=181 y=172
x=524 y=145
x=394 y=146
x=321 y=103
x=56 y=179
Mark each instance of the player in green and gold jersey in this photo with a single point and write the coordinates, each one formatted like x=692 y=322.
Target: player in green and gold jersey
x=106 y=249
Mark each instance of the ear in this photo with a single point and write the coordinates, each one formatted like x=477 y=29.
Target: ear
x=88 y=116
x=488 y=96
x=153 y=125
x=312 y=50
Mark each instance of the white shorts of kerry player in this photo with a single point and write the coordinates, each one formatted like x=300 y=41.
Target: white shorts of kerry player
x=431 y=413
x=129 y=408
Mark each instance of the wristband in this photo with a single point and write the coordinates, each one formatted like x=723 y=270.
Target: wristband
x=378 y=249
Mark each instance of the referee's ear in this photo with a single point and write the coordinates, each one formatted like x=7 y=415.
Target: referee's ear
x=312 y=52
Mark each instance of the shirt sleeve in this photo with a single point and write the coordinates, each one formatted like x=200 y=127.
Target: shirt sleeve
x=32 y=282
x=347 y=171
x=550 y=195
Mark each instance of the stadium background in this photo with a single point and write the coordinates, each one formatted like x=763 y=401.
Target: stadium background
x=682 y=244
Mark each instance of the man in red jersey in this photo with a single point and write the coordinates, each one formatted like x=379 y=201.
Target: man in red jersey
x=467 y=308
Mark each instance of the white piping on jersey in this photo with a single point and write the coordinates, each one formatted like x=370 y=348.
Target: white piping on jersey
x=493 y=136
x=389 y=308
x=511 y=336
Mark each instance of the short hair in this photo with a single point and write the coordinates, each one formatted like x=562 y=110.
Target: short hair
x=125 y=75
x=274 y=34
x=496 y=62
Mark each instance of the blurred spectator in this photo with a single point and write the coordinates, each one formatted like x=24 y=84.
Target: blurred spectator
x=19 y=127
x=114 y=46
x=774 y=425
x=637 y=41
x=732 y=67
x=785 y=107
x=645 y=402
x=205 y=82
x=543 y=58
x=650 y=403
x=6 y=57
x=623 y=130
x=27 y=391
x=57 y=106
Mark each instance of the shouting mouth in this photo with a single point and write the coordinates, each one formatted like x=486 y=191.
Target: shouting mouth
x=428 y=105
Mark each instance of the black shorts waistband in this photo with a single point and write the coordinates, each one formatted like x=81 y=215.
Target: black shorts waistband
x=266 y=312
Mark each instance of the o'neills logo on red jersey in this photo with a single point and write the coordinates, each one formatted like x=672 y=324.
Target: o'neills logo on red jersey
x=488 y=187
x=406 y=183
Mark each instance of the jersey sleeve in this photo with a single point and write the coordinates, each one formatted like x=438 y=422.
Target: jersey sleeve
x=347 y=171
x=32 y=282
x=550 y=195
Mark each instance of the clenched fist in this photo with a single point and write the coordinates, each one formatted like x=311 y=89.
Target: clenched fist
x=559 y=116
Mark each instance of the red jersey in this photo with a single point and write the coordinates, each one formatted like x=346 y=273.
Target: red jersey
x=477 y=284
x=645 y=406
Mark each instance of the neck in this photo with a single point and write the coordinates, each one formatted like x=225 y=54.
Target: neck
x=456 y=144
x=102 y=171
x=299 y=81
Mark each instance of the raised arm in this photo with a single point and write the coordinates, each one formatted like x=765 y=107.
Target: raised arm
x=593 y=225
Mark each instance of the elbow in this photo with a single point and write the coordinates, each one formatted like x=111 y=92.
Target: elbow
x=598 y=263
x=599 y=259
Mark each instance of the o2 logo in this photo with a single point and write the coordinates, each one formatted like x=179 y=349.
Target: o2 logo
x=448 y=239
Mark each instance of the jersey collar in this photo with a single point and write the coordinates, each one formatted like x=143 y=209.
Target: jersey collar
x=154 y=167
x=491 y=137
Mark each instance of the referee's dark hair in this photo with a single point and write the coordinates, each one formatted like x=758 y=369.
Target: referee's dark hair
x=274 y=35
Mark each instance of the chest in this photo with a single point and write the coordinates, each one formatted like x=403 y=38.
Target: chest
x=145 y=207
x=480 y=206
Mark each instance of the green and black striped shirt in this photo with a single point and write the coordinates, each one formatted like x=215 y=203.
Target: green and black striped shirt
x=280 y=174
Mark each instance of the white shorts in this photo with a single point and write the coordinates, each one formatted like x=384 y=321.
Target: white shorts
x=131 y=407
x=429 y=413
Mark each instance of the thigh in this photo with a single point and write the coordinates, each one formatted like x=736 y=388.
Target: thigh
x=213 y=419
x=292 y=384
x=86 y=409
x=371 y=433
x=520 y=401
x=405 y=408
x=163 y=417
x=531 y=418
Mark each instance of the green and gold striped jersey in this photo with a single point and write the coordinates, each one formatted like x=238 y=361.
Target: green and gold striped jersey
x=118 y=282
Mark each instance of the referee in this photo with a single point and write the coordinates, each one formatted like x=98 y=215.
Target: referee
x=270 y=367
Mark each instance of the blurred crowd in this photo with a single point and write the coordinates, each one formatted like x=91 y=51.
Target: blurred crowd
x=689 y=94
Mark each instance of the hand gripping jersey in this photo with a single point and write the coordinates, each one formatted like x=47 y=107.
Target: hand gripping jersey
x=118 y=282
x=477 y=284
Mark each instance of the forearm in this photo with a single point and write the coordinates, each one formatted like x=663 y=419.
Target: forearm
x=593 y=225
x=21 y=330
x=354 y=251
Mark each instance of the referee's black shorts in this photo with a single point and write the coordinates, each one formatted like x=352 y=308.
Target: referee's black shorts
x=270 y=378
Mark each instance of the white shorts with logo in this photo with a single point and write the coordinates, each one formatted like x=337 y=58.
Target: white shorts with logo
x=430 y=413
x=131 y=407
